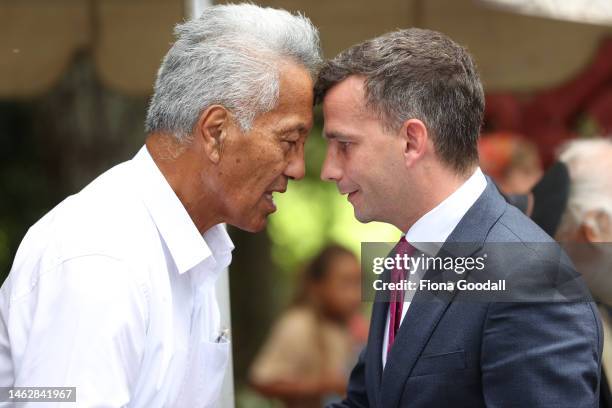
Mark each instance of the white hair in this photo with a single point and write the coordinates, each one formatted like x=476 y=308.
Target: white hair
x=230 y=56
x=589 y=162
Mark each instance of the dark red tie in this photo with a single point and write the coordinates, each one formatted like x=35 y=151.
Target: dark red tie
x=396 y=298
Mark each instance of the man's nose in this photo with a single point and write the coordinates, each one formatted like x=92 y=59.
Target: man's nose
x=330 y=171
x=296 y=169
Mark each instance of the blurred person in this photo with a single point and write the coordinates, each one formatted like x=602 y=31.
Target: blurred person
x=586 y=229
x=587 y=216
x=402 y=116
x=311 y=348
x=572 y=202
x=510 y=160
x=112 y=291
x=547 y=200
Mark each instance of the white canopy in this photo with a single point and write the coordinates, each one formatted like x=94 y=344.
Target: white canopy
x=579 y=11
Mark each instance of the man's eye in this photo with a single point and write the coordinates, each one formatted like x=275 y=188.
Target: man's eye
x=289 y=144
x=344 y=146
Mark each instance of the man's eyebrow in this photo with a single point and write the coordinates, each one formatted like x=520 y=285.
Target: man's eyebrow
x=335 y=135
x=299 y=127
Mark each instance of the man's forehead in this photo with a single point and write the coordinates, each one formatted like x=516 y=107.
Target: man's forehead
x=346 y=101
x=350 y=89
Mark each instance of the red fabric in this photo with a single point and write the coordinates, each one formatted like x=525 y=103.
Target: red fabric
x=550 y=117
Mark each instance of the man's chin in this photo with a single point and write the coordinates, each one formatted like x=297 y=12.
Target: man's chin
x=260 y=227
x=361 y=217
x=253 y=226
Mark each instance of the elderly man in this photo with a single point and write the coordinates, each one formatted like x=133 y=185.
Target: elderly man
x=586 y=229
x=402 y=117
x=112 y=291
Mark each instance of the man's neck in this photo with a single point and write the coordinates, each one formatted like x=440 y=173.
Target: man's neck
x=434 y=188
x=182 y=170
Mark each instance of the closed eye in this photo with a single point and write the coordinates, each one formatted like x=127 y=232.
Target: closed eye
x=344 y=145
x=289 y=144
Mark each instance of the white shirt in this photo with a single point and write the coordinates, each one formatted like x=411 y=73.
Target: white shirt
x=437 y=225
x=112 y=292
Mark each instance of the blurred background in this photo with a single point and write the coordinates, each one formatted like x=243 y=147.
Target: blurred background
x=76 y=75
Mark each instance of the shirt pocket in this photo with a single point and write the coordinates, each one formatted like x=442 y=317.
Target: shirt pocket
x=439 y=363
x=204 y=377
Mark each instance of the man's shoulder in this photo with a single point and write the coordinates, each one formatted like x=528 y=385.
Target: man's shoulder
x=107 y=216
x=514 y=226
x=521 y=251
x=107 y=219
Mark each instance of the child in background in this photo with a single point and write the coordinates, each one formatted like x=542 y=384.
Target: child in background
x=307 y=357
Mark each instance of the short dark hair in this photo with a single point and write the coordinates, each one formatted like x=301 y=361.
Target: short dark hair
x=417 y=73
x=318 y=269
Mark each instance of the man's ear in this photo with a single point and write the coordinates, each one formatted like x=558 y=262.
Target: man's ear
x=210 y=131
x=415 y=139
x=596 y=227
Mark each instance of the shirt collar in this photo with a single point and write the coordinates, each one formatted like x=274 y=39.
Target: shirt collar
x=438 y=223
x=186 y=245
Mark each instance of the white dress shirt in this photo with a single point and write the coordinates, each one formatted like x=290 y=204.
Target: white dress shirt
x=437 y=225
x=112 y=292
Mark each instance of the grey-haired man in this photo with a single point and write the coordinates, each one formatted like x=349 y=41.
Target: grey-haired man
x=112 y=292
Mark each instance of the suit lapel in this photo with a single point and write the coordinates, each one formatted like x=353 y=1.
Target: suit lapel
x=374 y=368
x=374 y=352
x=425 y=311
x=427 y=308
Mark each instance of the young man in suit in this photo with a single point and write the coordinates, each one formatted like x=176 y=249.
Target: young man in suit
x=402 y=117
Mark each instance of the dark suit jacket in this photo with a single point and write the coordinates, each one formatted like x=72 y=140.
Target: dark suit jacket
x=450 y=353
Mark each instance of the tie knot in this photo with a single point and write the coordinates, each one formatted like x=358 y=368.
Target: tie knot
x=404 y=247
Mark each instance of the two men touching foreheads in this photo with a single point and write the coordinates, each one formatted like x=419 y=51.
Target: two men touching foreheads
x=112 y=291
